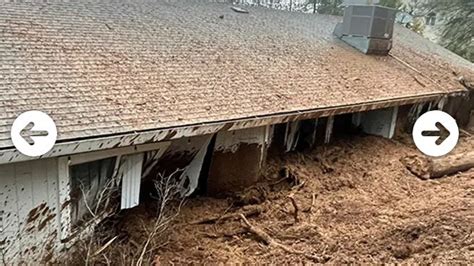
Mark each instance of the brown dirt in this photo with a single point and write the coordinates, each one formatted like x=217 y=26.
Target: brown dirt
x=368 y=208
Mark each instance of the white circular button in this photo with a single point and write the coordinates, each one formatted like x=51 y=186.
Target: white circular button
x=427 y=133
x=34 y=133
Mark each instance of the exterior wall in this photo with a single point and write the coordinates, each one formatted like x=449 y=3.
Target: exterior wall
x=237 y=159
x=378 y=122
x=36 y=219
x=30 y=210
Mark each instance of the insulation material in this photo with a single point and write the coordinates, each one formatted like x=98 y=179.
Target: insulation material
x=190 y=176
x=131 y=179
x=292 y=135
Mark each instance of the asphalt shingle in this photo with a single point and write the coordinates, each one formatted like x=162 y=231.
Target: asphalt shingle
x=109 y=67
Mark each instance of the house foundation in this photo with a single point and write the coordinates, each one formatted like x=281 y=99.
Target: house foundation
x=380 y=122
x=237 y=159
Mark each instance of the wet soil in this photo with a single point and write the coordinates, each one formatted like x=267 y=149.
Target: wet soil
x=356 y=202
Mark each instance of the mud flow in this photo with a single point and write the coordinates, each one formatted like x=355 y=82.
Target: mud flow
x=353 y=201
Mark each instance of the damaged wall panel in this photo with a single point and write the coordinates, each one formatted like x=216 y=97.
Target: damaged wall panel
x=237 y=159
x=68 y=183
x=329 y=128
x=177 y=156
x=192 y=172
x=131 y=171
x=87 y=182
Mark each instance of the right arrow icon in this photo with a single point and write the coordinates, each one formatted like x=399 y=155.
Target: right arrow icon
x=435 y=133
x=442 y=133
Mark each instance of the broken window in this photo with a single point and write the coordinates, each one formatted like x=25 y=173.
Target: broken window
x=87 y=181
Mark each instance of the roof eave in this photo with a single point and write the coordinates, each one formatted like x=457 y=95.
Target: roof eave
x=97 y=143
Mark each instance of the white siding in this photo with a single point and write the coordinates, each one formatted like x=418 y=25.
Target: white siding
x=132 y=175
x=30 y=204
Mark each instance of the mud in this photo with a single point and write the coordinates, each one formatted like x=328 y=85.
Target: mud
x=357 y=204
x=226 y=172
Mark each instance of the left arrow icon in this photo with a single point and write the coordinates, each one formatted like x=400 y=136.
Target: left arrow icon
x=34 y=133
x=29 y=133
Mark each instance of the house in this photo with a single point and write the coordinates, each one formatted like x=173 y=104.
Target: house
x=137 y=86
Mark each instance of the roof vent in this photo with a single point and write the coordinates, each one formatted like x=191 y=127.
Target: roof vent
x=367 y=27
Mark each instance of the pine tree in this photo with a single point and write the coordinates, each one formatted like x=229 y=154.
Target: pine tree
x=458 y=25
x=331 y=7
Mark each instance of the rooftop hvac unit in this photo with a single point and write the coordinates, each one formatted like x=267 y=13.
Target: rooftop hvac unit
x=368 y=21
x=368 y=28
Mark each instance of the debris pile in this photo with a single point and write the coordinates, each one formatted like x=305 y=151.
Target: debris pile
x=353 y=201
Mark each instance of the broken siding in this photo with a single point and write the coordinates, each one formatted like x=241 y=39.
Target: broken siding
x=192 y=172
x=177 y=156
x=292 y=135
x=87 y=182
x=43 y=200
x=131 y=168
x=29 y=199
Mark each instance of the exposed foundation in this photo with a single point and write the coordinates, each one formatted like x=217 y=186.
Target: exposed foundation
x=237 y=159
x=380 y=122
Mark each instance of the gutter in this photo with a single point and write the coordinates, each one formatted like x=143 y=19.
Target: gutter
x=135 y=139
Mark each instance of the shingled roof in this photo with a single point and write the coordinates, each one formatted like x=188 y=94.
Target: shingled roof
x=110 y=67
